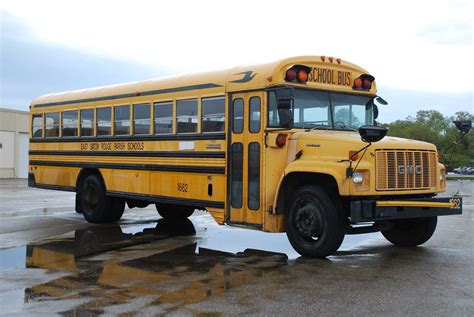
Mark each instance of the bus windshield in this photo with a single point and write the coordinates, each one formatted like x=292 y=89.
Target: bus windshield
x=326 y=110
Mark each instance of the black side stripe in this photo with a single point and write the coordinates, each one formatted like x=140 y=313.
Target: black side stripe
x=56 y=187
x=129 y=95
x=154 y=198
x=176 y=154
x=143 y=167
x=171 y=137
x=168 y=199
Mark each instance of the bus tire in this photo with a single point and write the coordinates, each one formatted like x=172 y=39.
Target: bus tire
x=173 y=212
x=314 y=224
x=116 y=210
x=411 y=232
x=78 y=206
x=96 y=206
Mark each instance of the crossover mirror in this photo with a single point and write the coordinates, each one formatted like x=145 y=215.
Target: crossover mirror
x=370 y=134
x=464 y=126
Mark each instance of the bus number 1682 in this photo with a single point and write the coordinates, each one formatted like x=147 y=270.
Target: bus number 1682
x=183 y=187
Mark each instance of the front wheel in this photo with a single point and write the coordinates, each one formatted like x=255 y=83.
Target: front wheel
x=411 y=232
x=314 y=224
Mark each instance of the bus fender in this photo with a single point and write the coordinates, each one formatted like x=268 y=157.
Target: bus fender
x=330 y=175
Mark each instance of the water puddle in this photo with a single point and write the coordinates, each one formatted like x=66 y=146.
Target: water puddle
x=13 y=258
x=182 y=265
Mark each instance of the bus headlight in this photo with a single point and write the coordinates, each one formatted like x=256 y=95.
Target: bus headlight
x=358 y=178
x=361 y=181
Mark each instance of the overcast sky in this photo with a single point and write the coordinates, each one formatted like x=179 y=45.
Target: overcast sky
x=420 y=52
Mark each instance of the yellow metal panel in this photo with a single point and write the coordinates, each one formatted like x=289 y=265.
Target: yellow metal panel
x=126 y=181
x=55 y=175
x=398 y=203
x=188 y=185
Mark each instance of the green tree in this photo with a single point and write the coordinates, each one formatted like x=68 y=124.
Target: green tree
x=433 y=127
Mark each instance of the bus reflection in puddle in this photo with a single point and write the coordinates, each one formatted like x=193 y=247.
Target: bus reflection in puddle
x=169 y=279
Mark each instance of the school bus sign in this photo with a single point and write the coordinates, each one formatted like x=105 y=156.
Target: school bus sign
x=330 y=76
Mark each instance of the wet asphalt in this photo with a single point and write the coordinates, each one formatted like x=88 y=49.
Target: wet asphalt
x=54 y=263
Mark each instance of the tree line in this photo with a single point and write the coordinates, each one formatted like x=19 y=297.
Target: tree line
x=432 y=126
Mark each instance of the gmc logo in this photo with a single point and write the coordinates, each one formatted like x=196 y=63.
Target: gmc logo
x=409 y=169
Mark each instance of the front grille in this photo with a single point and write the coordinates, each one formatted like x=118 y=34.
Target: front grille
x=401 y=169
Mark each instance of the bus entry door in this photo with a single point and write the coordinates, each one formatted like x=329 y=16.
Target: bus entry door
x=245 y=159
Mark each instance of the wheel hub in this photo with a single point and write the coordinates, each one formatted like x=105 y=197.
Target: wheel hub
x=307 y=222
x=90 y=196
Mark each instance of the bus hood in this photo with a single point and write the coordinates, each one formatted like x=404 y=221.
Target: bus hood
x=352 y=139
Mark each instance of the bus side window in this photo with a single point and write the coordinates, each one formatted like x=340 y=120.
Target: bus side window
x=237 y=174
x=253 y=188
x=87 y=122
x=254 y=115
x=104 y=125
x=122 y=120
x=69 y=123
x=163 y=117
x=238 y=116
x=52 y=124
x=186 y=115
x=37 y=126
x=213 y=114
x=141 y=118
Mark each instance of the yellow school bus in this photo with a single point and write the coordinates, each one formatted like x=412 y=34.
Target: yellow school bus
x=290 y=146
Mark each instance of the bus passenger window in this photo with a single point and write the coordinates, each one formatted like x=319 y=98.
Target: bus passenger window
x=238 y=116
x=104 y=121
x=254 y=115
x=122 y=120
x=87 y=122
x=186 y=116
x=69 y=123
x=52 y=124
x=253 y=189
x=163 y=117
x=213 y=114
x=141 y=118
x=237 y=175
x=37 y=126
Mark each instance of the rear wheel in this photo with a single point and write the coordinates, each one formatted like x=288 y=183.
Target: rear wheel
x=314 y=224
x=411 y=232
x=78 y=206
x=96 y=206
x=174 y=212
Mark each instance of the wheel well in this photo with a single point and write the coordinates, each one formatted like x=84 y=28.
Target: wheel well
x=294 y=180
x=86 y=172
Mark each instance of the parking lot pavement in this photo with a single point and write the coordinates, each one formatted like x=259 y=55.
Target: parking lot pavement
x=53 y=262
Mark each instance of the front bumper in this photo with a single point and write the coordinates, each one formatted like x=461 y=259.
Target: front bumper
x=376 y=210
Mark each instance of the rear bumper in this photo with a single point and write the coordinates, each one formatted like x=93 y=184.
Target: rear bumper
x=376 y=210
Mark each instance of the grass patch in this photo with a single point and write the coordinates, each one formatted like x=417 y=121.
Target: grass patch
x=456 y=177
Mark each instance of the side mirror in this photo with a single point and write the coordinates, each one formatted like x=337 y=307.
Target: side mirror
x=381 y=101
x=286 y=118
x=369 y=133
x=285 y=98
x=376 y=112
x=464 y=126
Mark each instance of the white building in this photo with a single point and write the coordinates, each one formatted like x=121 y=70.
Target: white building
x=14 y=127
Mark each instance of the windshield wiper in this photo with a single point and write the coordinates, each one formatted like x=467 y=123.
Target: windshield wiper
x=346 y=128
x=342 y=126
x=321 y=127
